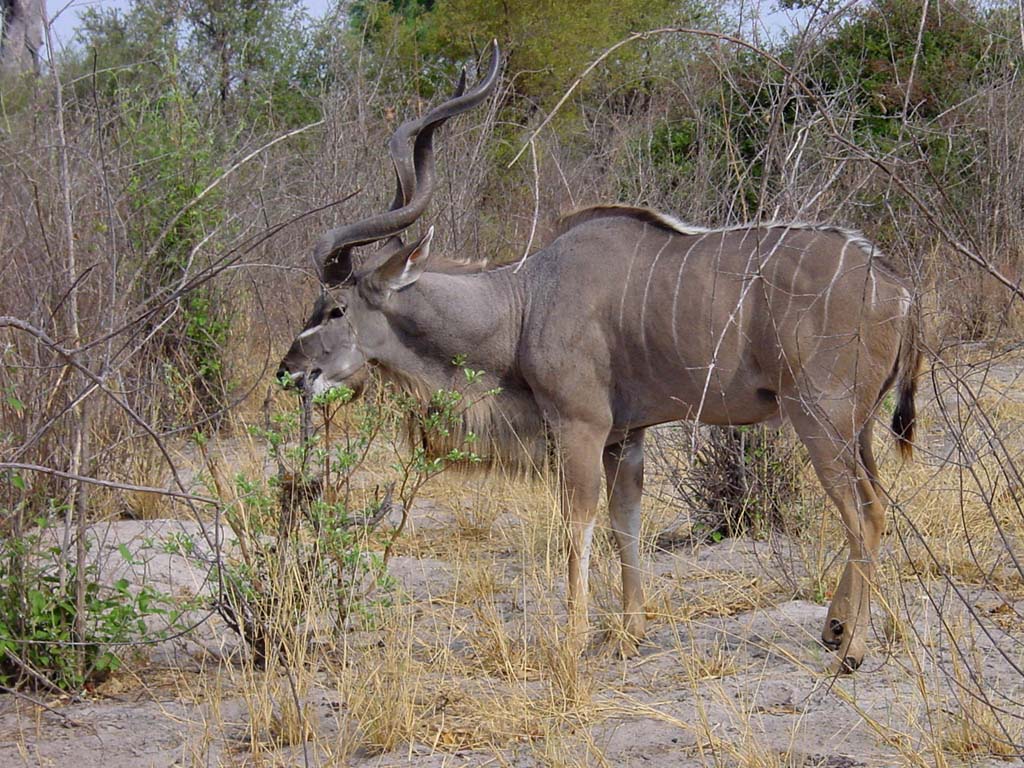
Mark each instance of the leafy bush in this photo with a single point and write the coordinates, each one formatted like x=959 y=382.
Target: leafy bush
x=41 y=627
x=312 y=541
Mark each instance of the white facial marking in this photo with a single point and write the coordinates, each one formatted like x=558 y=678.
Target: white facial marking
x=309 y=331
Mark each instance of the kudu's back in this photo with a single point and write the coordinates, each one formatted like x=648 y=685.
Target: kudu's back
x=718 y=325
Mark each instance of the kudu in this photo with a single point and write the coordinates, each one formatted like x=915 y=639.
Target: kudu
x=629 y=319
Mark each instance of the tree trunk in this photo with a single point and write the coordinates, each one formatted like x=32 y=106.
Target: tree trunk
x=21 y=34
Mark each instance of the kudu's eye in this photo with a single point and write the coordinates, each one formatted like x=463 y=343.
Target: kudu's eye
x=335 y=313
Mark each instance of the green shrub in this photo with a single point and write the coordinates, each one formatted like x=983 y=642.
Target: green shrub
x=312 y=544
x=39 y=628
x=741 y=481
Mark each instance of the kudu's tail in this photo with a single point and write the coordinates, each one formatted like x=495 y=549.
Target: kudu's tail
x=908 y=366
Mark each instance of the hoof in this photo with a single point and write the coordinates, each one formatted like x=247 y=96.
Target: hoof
x=850 y=656
x=633 y=631
x=850 y=664
x=832 y=635
x=627 y=649
x=624 y=645
x=846 y=665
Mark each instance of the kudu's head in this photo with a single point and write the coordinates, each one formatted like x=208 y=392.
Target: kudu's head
x=349 y=326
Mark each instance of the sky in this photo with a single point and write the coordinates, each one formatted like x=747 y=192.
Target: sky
x=64 y=14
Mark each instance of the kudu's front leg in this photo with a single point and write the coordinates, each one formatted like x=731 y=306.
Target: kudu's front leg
x=580 y=450
x=624 y=474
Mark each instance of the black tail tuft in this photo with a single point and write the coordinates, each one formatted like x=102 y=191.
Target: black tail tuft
x=904 y=416
x=908 y=367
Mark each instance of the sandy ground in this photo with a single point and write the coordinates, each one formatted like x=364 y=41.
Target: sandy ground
x=767 y=683
x=734 y=676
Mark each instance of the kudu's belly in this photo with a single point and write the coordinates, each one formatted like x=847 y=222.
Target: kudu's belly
x=698 y=360
x=731 y=397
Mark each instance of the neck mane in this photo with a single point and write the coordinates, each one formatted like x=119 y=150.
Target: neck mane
x=503 y=430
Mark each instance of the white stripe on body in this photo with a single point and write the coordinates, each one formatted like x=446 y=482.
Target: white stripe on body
x=643 y=306
x=629 y=272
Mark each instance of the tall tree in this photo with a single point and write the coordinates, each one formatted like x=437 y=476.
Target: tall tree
x=546 y=43
x=21 y=34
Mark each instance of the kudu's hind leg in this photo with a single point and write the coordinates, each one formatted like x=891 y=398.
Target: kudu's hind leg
x=624 y=473
x=867 y=457
x=833 y=444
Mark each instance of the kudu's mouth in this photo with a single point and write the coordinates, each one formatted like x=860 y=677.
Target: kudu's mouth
x=316 y=383
x=296 y=379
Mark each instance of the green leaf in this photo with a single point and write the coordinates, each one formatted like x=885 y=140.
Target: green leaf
x=126 y=554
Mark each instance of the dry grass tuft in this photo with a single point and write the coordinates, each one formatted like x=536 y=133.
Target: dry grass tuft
x=972 y=730
x=701 y=664
x=968 y=721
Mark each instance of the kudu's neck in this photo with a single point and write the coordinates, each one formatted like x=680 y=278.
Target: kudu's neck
x=444 y=318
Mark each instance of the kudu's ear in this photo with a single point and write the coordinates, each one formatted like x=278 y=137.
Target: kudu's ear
x=403 y=268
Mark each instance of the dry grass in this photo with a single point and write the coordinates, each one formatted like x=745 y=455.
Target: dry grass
x=478 y=666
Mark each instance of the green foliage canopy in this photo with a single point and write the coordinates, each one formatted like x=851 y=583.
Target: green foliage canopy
x=546 y=43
